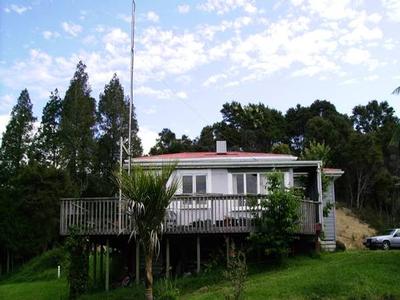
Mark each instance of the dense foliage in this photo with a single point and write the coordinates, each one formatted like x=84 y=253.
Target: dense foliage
x=77 y=248
x=279 y=219
x=73 y=153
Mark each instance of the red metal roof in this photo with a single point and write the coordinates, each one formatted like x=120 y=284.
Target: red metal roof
x=196 y=155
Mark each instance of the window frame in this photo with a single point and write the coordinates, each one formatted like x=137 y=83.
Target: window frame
x=244 y=174
x=194 y=183
x=194 y=175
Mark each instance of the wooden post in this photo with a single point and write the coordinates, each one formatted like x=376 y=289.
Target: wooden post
x=227 y=250
x=137 y=265
x=198 y=254
x=94 y=264
x=101 y=263
x=167 y=267
x=107 y=283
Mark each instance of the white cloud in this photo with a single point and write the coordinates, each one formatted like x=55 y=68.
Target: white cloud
x=148 y=138
x=19 y=9
x=152 y=17
x=71 y=28
x=328 y=9
x=392 y=8
x=350 y=81
x=214 y=79
x=356 y=56
x=125 y=18
x=371 y=77
x=224 y=6
x=160 y=94
x=359 y=30
x=116 y=42
x=183 y=8
x=165 y=52
x=48 y=35
x=389 y=44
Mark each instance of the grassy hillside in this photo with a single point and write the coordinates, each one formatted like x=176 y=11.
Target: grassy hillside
x=346 y=275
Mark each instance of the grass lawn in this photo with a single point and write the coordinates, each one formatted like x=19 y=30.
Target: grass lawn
x=345 y=275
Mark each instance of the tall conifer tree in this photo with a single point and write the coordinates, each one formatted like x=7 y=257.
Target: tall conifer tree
x=47 y=143
x=77 y=127
x=113 y=120
x=18 y=135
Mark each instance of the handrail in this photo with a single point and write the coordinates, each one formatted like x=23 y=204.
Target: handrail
x=208 y=213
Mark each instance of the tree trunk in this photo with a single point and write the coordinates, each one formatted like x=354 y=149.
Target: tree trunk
x=149 y=274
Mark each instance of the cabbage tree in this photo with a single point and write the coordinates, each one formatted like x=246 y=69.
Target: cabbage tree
x=148 y=194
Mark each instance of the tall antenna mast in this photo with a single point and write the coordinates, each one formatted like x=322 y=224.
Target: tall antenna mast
x=131 y=96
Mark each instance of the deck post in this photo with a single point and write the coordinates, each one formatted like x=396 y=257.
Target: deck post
x=101 y=263
x=198 y=254
x=107 y=265
x=167 y=267
x=227 y=249
x=319 y=188
x=137 y=265
x=94 y=263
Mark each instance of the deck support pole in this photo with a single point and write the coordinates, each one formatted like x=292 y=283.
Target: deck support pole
x=94 y=263
x=101 y=263
x=198 y=254
x=167 y=267
x=107 y=265
x=137 y=265
x=227 y=249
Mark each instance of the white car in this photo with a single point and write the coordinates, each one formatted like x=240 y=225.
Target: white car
x=389 y=239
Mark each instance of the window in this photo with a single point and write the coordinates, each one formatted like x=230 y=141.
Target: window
x=187 y=184
x=201 y=184
x=245 y=183
x=251 y=184
x=194 y=184
x=238 y=184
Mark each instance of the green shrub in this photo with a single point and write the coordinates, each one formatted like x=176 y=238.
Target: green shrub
x=77 y=247
x=236 y=274
x=279 y=219
x=166 y=290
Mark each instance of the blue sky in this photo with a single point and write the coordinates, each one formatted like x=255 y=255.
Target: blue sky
x=193 y=56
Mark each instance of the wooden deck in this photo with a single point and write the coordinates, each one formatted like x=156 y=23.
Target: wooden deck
x=186 y=215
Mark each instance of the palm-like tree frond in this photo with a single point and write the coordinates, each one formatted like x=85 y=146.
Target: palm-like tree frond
x=396 y=91
x=148 y=194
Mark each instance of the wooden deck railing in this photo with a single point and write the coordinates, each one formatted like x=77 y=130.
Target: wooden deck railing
x=186 y=214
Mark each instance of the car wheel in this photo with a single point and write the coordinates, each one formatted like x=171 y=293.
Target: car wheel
x=386 y=245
